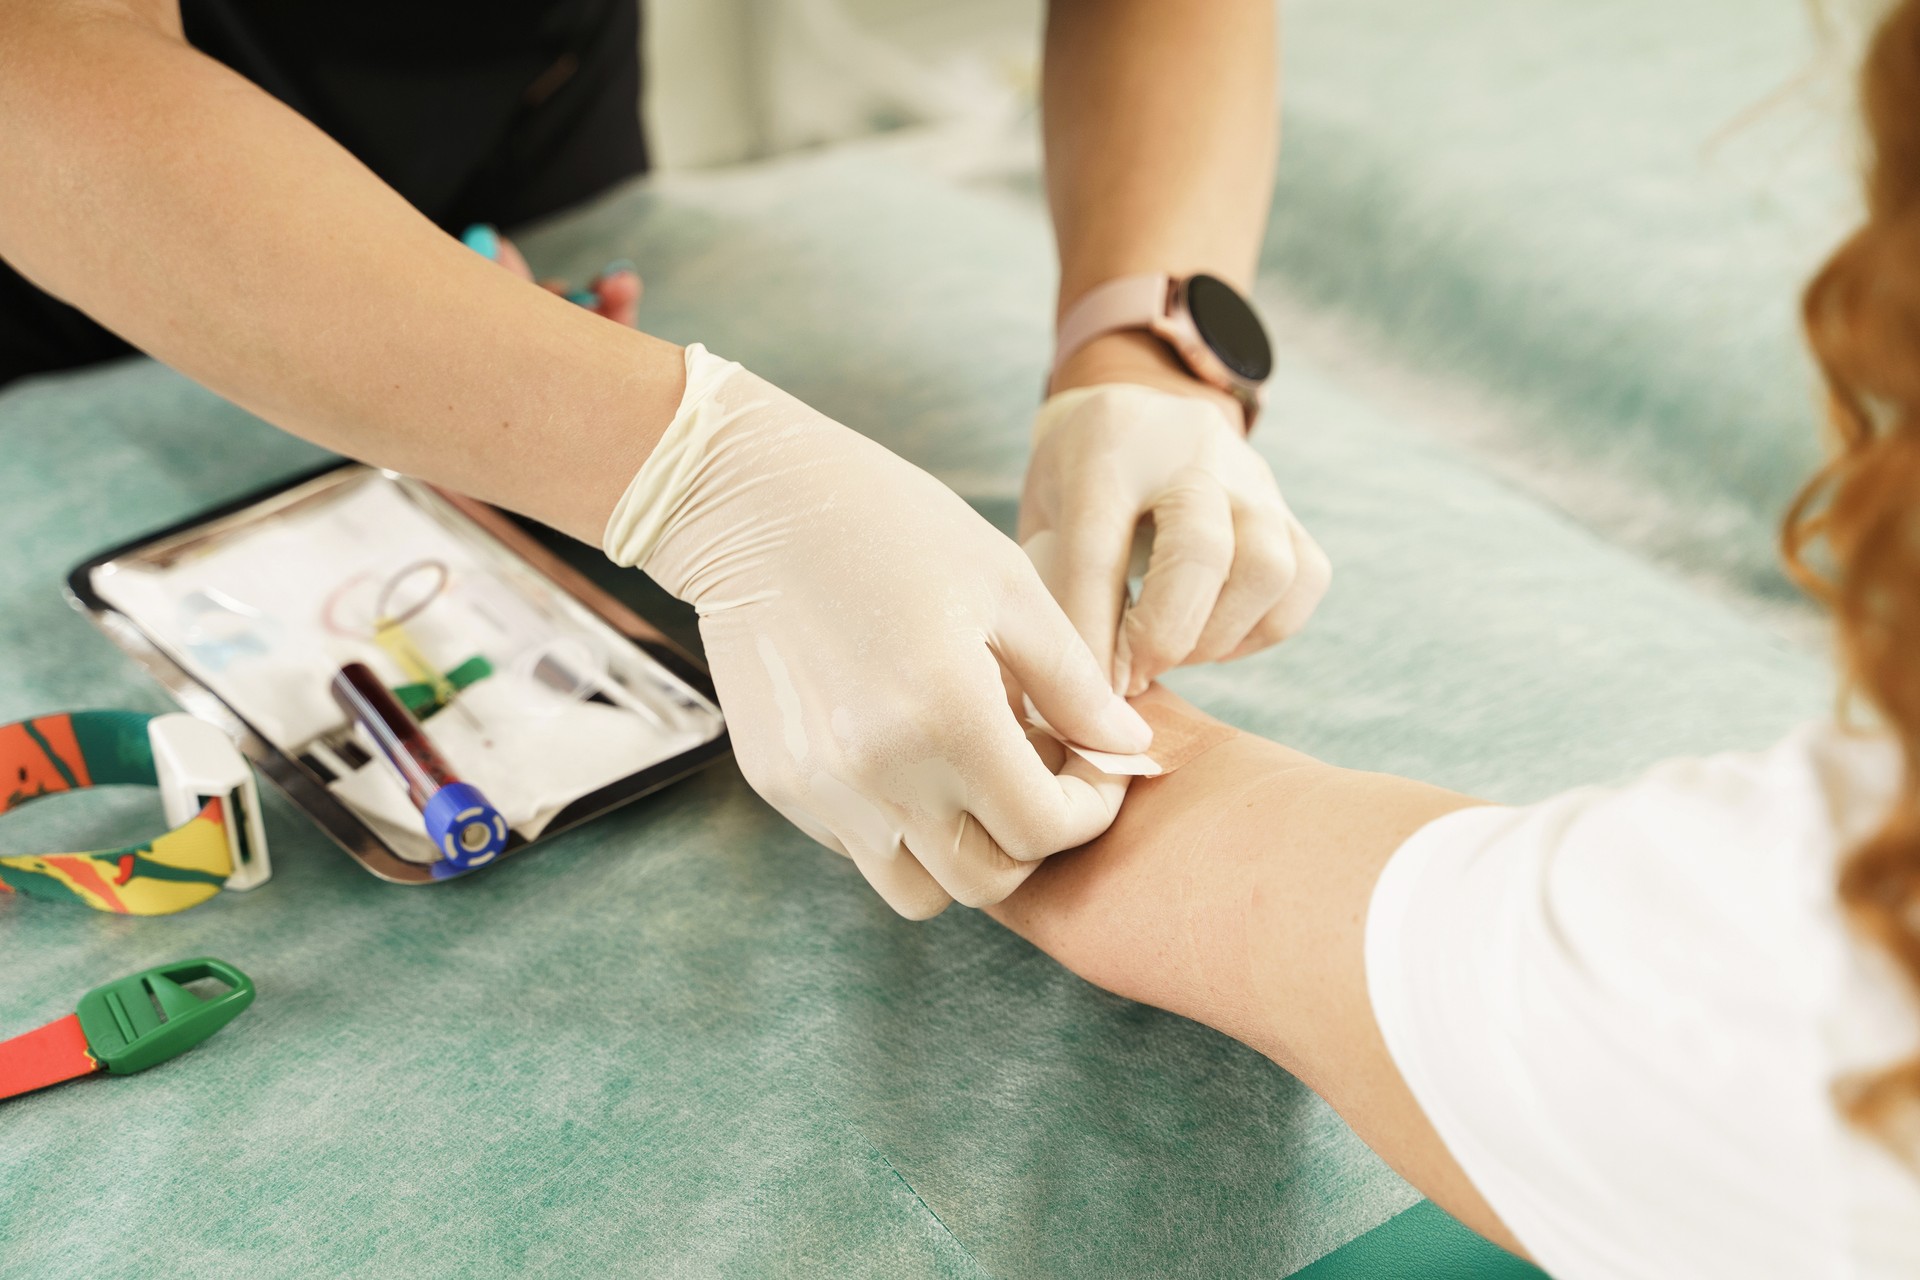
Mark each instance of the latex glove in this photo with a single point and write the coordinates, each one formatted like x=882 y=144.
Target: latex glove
x=862 y=624
x=1230 y=570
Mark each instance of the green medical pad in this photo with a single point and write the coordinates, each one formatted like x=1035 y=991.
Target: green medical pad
x=1581 y=233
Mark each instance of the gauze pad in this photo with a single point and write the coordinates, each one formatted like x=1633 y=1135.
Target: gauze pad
x=1138 y=765
x=1180 y=734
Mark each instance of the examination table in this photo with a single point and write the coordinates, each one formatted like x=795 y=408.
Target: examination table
x=684 y=1040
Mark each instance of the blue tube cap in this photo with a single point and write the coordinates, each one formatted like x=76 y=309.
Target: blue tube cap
x=469 y=831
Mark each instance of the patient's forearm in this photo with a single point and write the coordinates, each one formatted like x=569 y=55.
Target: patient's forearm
x=213 y=227
x=1234 y=891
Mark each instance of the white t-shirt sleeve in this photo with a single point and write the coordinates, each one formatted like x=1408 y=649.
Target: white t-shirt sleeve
x=1623 y=1010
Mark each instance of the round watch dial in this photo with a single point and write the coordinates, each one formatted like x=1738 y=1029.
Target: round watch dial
x=1229 y=326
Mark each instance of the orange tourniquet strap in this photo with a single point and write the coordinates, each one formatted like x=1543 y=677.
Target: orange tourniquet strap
x=56 y=1052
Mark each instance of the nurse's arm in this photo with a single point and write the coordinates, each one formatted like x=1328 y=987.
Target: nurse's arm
x=1161 y=124
x=209 y=225
x=1234 y=891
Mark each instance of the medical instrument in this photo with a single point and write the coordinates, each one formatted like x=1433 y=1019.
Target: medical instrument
x=219 y=629
x=207 y=793
x=304 y=568
x=441 y=690
x=388 y=630
x=126 y=1026
x=568 y=668
x=468 y=831
x=419 y=698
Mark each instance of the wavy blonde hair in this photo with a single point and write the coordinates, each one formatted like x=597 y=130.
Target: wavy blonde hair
x=1860 y=517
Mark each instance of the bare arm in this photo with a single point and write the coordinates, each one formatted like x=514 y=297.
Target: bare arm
x=1161 y=126
x=1234 y=891
x=208 y=224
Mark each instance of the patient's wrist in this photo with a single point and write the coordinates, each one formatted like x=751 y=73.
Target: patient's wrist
x=1136 y=356
x=1154 y=910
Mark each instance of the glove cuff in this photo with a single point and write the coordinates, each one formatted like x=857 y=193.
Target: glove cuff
x=1058 y=406
x=641 y=517
x=1061 y=405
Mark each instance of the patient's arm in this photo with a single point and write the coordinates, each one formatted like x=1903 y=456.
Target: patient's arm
x=1234 y=891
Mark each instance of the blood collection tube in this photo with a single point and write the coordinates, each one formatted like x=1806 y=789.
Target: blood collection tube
x=468 y=831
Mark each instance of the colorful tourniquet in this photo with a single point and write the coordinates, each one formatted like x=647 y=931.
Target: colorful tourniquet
x=73 y=751
x=126 y=1026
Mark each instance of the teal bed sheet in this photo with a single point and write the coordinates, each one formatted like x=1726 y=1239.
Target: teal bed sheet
x=1590 y=225
x=684 y=1040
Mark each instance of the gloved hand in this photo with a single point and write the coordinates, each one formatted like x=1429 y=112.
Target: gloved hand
x=1231 y=570
x=859 y=620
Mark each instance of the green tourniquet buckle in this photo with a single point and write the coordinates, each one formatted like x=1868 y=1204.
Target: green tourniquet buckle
x=144 y=1019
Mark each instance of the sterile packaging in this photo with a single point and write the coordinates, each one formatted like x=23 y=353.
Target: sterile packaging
x=538 y=689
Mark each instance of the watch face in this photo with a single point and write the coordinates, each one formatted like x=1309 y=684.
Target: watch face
x=1228 y=325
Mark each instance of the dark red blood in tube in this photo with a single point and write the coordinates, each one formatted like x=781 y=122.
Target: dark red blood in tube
x=394 y=730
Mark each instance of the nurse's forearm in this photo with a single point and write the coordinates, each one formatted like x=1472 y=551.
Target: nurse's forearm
x=216 y=229
x=1161 y=125
x=1234 y=891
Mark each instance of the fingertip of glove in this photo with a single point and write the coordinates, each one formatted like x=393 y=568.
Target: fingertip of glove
x=918 y=909
x=1131 y=733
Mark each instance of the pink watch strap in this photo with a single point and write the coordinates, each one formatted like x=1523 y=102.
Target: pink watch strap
x=1131 y=302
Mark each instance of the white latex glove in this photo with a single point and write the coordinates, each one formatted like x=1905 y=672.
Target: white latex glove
x=1230 y=571
x=858 y=618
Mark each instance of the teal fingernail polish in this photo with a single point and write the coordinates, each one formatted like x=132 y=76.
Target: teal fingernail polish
x=585 y=297
x=483 y=240
x=618 y=265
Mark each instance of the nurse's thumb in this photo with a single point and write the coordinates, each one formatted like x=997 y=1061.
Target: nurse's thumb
x=1085 y=569
x=1059 y=674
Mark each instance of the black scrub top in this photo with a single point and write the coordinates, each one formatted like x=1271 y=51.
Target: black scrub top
x=496 y=111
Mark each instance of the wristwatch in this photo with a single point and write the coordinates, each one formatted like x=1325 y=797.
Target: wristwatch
x=1204 y=319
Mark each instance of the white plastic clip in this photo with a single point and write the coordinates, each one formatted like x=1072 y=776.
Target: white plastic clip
x=196 y=762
